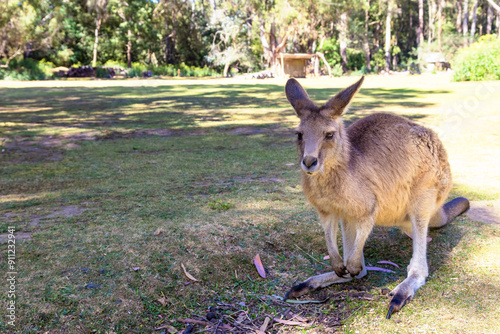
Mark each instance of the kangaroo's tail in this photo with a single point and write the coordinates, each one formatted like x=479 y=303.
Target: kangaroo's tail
x=449 y=211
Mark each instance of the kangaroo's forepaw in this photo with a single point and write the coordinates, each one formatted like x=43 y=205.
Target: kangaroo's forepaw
x=354 y=269
x=340 y=270
x=400 y=296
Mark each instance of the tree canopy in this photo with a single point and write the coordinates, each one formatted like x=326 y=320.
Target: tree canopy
x=354 y=35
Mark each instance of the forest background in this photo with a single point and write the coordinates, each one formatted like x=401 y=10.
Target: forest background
x=209 y=37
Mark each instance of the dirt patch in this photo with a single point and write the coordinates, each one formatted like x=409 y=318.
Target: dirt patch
x=65 y=211
x=34 y=220
x=485 y=211
x=41 y=148
x=246 y=131
x=19 y=236
x=26 y=150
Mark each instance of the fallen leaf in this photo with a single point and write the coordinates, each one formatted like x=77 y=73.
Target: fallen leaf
x=188 y=275
x=297 y=317
x=170 y=329
x=259 y=266
x=292 y=323
x=411 y=237
x=204 y=323
x=388 y=262
x=158 y=231
x=194 y=321
x=241 y=317
x=293 y=301
x=379 y=269
x=265 y=324
x=162 y=301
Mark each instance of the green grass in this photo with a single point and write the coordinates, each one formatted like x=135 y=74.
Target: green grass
x=207 y=164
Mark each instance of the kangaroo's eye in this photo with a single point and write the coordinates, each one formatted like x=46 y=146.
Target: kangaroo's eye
x=299 y=136
x=329 y=135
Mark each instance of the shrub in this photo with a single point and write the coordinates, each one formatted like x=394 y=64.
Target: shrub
x=337 y=70
x=102 y=72
x=331 y=52
x=355 y=59
x=28 y=69
x=480 y=61
x=136 y=70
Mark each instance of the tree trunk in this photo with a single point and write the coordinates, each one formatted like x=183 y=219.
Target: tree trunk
x=273 y=60
x=274 y=46
x=498 y=22
x=430 y=27
x=459 y=17
x=169 y=55
x=420 y=38
x=388 y=37
x=489 y=19
x=129 y=49
x=465 y=23
x=366 y=45
x=96 y=41
x=226 y=70
x=474 y=22
x=343 y=41
x=440 y=24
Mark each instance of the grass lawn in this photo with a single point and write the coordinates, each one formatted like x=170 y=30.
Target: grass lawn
x=113 y=186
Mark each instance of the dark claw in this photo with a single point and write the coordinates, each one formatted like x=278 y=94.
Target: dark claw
x=342 y=272
x=396 y=304
x=390 y=312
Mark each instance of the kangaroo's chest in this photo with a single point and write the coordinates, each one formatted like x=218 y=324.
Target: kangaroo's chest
x=338 y=199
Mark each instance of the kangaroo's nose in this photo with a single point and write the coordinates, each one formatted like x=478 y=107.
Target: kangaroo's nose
x=310 y=162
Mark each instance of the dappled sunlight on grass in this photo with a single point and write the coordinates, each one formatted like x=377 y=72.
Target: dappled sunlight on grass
x=20 y=197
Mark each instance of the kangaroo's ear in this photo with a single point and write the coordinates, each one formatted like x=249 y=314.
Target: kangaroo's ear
x=337 y=105
x=298 y=98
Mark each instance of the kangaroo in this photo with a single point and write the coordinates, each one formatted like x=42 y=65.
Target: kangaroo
x=383 y=169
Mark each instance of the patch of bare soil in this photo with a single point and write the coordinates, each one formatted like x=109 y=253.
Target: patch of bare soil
x=19 y=236
x=485 y=211
x=20 y=150
x=34 y=220
x=25 y=150
x=65 y=211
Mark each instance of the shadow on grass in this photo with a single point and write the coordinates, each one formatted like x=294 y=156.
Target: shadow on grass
x=27 y=111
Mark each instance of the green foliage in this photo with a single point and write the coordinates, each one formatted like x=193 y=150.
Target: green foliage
x=378 y=60
x=362 y=71
x=480 y=61
x=355 y=59
x=63 y=57
x=170 y=70
x=27 y=69
x=337 y=70
x=220 y=205
x=136 y=70
x=102 y=72
x=331 y=52
x=172 y=38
